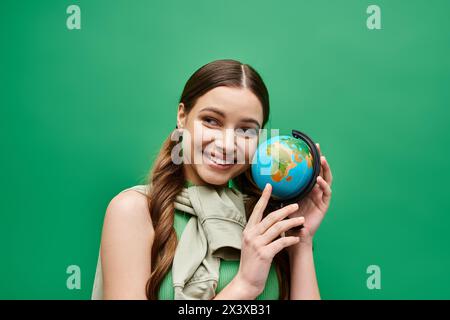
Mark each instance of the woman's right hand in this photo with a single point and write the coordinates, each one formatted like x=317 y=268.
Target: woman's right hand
x=260 y=243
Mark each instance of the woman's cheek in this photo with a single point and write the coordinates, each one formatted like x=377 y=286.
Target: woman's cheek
x=253 y=147
x=246 y=150
x=206 y=135
x=209 y=135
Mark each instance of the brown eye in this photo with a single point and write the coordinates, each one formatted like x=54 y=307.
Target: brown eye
x=211 y=121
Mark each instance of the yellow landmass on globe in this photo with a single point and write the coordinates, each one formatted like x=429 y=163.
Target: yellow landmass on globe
x=284 y=158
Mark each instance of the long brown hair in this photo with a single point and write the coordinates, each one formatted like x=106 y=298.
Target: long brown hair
x=167 y=178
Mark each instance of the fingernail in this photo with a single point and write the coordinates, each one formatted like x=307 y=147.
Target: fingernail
x=295 y=206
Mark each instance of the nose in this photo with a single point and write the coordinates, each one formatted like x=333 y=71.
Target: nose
x=225 y=143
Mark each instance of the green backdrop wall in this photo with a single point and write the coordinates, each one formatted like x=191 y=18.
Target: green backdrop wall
x=84 y=112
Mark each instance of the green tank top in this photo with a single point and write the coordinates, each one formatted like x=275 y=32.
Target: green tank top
x=227 y=270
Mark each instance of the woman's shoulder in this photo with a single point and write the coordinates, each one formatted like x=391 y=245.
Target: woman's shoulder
x=143 y=189
x=127 y=238
x=130 y=205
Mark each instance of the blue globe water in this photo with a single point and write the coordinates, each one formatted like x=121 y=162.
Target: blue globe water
x=286 y=163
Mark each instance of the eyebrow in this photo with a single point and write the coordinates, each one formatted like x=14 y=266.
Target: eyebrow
x=215 y=110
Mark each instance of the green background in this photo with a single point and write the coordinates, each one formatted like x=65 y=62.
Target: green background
x=84 y=112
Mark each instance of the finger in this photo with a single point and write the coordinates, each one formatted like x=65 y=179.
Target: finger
x=281 y=226
x=327 y=175
x=280 y=244
x=325 y=188
x=316 y=185
x=317 y=192
x=276 y=216
x=260 y=206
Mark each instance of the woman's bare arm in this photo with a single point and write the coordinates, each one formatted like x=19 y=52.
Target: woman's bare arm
x=237 y=290
x=126 y=243
x=303 y=273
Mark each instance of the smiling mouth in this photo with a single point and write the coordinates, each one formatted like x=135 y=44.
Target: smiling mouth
x=219 y=161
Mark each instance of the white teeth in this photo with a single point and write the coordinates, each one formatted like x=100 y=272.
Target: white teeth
x=219 y=161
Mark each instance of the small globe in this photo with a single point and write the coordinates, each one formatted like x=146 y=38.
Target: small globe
x=286 y=163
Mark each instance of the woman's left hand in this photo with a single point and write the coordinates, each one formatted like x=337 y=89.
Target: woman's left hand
x=315 y=205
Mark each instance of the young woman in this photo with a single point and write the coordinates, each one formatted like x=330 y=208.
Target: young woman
x=223 y=107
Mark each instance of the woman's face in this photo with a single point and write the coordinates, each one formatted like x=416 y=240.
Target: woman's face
x=220 y=134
